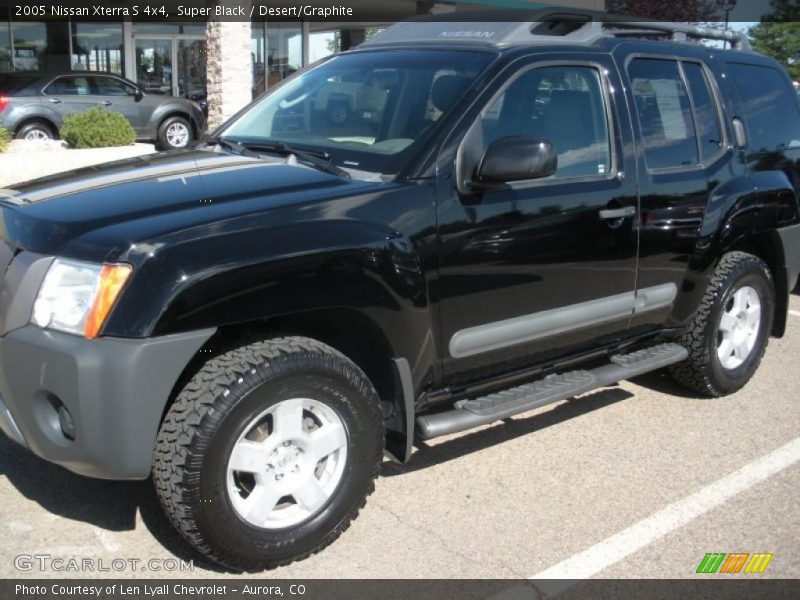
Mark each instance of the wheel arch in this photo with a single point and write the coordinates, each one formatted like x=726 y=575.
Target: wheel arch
x=38 y=119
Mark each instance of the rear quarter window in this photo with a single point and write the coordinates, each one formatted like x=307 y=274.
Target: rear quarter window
x=16 y=84
x=770 y=105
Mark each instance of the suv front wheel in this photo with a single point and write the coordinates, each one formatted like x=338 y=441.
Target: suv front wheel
x=175 y=133
x=269 y=452
x=730 y=331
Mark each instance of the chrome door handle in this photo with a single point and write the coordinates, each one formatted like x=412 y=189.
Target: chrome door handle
x=54 y=100
x=618 y=213
x=106 y=103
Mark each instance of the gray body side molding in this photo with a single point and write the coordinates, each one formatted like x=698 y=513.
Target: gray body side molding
x=544 y=324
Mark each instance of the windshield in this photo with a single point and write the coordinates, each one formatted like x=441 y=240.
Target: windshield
x=368 y=111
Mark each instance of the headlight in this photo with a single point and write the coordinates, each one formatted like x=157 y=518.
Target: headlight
x=76 y=297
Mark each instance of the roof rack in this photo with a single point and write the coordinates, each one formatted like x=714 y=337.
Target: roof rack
x=506 y=27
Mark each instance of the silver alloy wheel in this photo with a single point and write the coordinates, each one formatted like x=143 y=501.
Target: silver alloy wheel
x=177 y=135
x=287 y=463
x=738 y=327
x=37 y=135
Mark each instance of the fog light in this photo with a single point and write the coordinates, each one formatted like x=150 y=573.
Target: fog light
x=67 y=422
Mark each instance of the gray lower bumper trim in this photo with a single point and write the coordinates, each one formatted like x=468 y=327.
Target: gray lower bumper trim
x=9 y=426
x=115 y=389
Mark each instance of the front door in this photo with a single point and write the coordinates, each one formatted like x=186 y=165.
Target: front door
x=541 y=268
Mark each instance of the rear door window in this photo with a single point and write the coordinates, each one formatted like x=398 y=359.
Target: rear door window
x=72 y=85
x=707 y=116
x=665 y=113
x=770 y=106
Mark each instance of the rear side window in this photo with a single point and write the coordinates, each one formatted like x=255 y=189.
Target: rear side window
x=770 y=107
x=69 y=86
x=11 y=84
x=665 y=114
x=706 y=114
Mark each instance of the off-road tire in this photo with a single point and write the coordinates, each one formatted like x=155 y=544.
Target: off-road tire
x=209 y=414
x=702 y=372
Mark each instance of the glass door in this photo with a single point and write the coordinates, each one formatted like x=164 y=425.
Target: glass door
x=191 y=61
x=154 y=61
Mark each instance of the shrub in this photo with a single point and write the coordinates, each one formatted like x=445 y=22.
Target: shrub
x=5 y=139
x=97 y=128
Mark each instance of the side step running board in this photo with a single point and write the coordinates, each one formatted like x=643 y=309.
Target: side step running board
x=480 y=411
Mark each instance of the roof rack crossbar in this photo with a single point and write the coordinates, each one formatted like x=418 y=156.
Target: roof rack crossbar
x=679 y=32
x=509 y=27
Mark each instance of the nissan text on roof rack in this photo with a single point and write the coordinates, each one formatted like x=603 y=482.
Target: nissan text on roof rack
x=501 y=213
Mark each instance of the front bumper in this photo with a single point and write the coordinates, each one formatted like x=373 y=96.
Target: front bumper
x=115 y=389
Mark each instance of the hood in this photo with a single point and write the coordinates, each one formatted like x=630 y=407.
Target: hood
x=95 y=213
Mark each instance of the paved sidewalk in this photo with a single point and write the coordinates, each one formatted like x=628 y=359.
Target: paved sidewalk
x=27 y=160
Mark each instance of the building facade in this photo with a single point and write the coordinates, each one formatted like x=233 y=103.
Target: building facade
x=172 y=57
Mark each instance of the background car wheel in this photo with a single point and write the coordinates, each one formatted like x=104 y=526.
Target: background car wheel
x=339 y=113
x=175 y=133
x=35 y=130
x=269 y=452
x=730 y=331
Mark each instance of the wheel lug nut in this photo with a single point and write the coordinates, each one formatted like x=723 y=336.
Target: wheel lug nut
x=278 y=477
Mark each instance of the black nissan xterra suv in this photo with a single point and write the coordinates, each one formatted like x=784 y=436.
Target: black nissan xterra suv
x=520 y=211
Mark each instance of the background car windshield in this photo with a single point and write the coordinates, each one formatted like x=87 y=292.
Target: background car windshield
x=368 y=110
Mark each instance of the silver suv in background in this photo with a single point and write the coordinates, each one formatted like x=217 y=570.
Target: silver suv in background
x=33 y=105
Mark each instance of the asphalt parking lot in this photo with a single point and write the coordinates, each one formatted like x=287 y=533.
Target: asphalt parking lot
x=635 y=481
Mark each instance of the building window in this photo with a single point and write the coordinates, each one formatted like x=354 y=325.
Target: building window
x=258 y=57
x=284 y=51
x=142 y=29
x=5 y=42
x=97 y=47
x=39 y=45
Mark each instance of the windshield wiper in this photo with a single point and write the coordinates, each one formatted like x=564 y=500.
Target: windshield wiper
x=232 y=145
x=320 y=160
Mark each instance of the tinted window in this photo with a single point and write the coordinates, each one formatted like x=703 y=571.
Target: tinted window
x=705 y=110
x=10 y=84
x=664 y=112
x=564 y=105
x=70 y=86
x=770 y=107
x=108 y=86
x=369 y=110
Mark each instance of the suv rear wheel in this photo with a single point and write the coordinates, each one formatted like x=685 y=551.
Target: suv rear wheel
x=269 y=452
x=35 y=130
x=730 y=331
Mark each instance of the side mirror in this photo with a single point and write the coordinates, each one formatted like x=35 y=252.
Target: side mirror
x=138 y=95
x=515 y=158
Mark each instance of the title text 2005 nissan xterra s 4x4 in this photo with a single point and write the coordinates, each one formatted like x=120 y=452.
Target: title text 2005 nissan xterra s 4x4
x=542 y=206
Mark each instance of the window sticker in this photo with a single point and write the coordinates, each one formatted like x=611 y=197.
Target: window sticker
x=669 y=106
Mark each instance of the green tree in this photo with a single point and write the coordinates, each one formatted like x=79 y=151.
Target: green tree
x=781 y=41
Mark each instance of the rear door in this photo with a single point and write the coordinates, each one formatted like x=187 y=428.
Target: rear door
x=69 y=94
x=683 y=156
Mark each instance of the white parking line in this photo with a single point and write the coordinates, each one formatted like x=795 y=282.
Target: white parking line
x=628 y=541
x=795 y=313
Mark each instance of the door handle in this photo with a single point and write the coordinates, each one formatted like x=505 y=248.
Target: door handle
x=54 y=100
x=618 y=213
x=106 y=103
